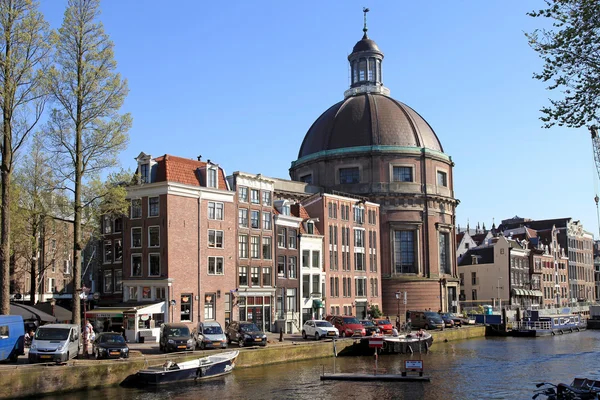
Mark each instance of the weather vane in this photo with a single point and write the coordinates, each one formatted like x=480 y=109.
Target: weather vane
x=365 y=11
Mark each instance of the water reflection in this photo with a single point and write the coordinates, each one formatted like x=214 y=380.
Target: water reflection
x=490 y=368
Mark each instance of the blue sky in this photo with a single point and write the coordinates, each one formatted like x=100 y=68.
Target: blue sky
x=241 y=82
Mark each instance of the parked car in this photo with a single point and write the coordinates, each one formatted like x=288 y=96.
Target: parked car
x=426 y=320
x=457 y=320
x=12 y=337
x=384 y=324
x=370 y=327
x=110 y=345
x=347 y=325
x=210 y=335
x=319 y=329
x=468 y=320
x=175 y=337
x=448 y=322
x=55 y=343
x=245 y=333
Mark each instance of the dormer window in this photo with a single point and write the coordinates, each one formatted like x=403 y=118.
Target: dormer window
x=285 y=210
x=310 y=227
x=211 y=177
x=145 y=173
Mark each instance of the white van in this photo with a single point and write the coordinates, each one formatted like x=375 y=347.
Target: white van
x=55 y=343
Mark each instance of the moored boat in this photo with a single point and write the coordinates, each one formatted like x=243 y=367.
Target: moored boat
x=201 y=368
x=544 y=325
x=413 y=342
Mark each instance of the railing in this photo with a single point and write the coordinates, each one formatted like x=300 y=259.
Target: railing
x=530 y=325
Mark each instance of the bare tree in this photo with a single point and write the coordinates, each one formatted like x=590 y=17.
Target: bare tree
x=25 y=45
x=85 y=130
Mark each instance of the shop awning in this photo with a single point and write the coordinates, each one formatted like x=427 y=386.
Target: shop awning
x=317 y=304
x=519 y=292
x=61 y=313
x=30 y=313
x=537 y=293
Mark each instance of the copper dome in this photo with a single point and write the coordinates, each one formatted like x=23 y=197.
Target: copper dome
x=368 y=120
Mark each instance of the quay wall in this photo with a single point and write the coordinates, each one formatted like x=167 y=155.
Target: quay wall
x=23 y=380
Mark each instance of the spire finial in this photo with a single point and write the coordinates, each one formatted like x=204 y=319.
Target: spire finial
x=365 y=29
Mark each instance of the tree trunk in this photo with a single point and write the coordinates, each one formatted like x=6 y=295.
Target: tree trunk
x=5 y=226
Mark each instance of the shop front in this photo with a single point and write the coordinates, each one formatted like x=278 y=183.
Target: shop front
x=256 y=308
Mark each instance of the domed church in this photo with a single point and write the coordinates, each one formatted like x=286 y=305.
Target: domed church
x=373 y=146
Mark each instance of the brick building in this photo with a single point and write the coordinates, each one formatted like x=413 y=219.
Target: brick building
x=179 y=240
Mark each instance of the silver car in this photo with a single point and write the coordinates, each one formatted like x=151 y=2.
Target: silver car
x=209 y=335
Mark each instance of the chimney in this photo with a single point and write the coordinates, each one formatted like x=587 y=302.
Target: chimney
x=200 y=157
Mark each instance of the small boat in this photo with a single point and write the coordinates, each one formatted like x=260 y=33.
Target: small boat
x=201 y=368
x=413 y=342
x=544 y=325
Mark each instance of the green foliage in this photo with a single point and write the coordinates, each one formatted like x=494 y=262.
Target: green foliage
x=375 y=311
x=571 y=54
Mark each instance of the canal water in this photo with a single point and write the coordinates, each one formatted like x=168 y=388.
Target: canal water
x=485 y=368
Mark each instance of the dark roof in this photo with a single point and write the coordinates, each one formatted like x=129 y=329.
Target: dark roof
x=486 y=255
x=61 y=313
x=368 y=120
x=365 y=44
x=537 y=225
x=30 y=313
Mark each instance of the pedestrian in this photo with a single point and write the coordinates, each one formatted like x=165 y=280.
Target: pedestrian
x=106 y=327
x=88 y=336
x=394 y=332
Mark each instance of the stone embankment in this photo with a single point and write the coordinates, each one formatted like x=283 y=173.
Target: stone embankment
x=24 y=380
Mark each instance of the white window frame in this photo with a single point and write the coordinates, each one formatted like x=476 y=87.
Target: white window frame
x=141 y=265
x=150 y=266
x=118 y=289
x=105 y=259
x=215 y=233
x=267 y=223
x=111 y=287
x=267 y=198
x=243 y=194
x=217 y=207
x=137 y=201
x=149 y=236
x=212 y=177
x=252 y=199
x=216 y=269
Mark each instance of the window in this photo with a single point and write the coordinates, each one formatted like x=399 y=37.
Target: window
x=442 y=179
x=145 y=173
x=292 y=274
x=136 y=208
x=211 y=175
x=349 y=175
x=243 y=194
x=254 y=246
x=362 y=68
x=305 y=258
x=136 y=238
x=255 y=272
x=243 y=218
x=359 y=262
x=337 y=287
x=374 y=288
x=154 y=236
x=108 y=254
x=266 y=276
x=473 y=278
x=285 y=209
x=243 y=246
x=266 y=246
x=215 y=238
x=291 y=300
x=209 y=306
x=118 y=248
x=359 y=215
x=254 y=196
x=146 y=292
x=310 y=227
x=254 y=219
x=133 y=292
x=474 y=294
x=404 y=252
x=153 y=206
x=281 y=237
x=315 y=259
x=108 y=281
x=306 y=179
x=360 y=284
x=186 y=307
x=215 y=210
x=118 y=281
x=106 y=223
x=292 y=236
x=154 y=263
x=359 y=238
x=243 y=276
x=402 y=174
x=281 y=266
x=371 y=73
x=266 y=198
x=136 y=265
x=266 y=220
x=445 y=253
x=215 y=265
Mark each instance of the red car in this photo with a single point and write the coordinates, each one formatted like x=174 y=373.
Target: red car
x=347 y=325
x=385 y=326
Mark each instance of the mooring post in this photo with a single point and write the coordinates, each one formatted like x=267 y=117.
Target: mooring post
x=281 y=334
